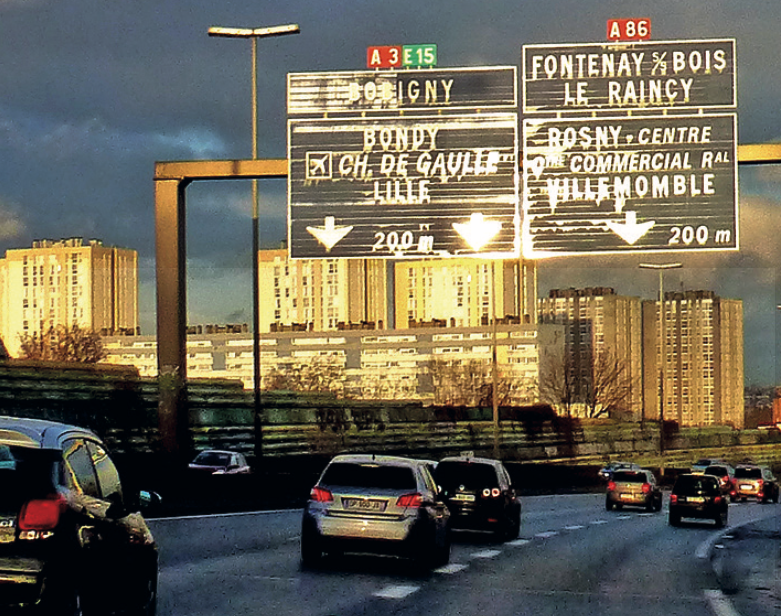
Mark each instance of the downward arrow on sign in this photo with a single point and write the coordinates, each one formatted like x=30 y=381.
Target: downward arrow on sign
x=629 y=230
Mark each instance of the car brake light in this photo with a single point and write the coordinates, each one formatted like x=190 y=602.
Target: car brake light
x=673 y=498
x=725 y=479
x=491 y=492
x=41 y=514
x=717 y=500
x=760 y=483
x=321 y=495
x=611 y=485
x=410 y=500
x=646 y=488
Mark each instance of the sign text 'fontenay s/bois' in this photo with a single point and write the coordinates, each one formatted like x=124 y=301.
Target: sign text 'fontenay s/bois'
x=619 y=184
x=621 y=76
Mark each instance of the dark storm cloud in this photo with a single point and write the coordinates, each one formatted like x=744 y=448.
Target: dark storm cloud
x=92 y=93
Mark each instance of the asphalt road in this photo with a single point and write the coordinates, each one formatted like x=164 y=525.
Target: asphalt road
x=573 y=557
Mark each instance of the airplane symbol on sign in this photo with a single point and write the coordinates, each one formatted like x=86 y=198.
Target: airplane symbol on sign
x=318 y=165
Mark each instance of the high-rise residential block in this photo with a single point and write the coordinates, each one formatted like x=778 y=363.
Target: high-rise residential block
x=67 y=282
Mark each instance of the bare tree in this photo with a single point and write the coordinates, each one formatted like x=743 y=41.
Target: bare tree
x=470 y=383
x=609 y=390
x=559 y=383
x=63 y=343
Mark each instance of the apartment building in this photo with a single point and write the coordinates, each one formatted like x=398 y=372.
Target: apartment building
x=318 y=294
x=598 y=323
x=422 y=363
x=67 y=282
x=700 y=358
x=325 y=294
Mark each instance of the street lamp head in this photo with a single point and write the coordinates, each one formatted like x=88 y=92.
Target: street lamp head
x=660 y=266
x=254 y=32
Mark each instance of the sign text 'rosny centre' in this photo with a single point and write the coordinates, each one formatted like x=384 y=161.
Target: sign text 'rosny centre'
x=673 y=74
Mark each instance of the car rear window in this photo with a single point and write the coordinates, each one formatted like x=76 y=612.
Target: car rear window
x=369 y=476
x=748 y=473
x=212 y=458
x=696 y=485
x=629 y=477
x=719 y=471
x=24 y=474
x=472 y=476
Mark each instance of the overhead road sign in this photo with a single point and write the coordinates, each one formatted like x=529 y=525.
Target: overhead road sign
x=414 y=90
x=629 y=75
x=629 y=184
x=398 y=56
x=404 y=186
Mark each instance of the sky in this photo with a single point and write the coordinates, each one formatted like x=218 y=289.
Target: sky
x=92 y=93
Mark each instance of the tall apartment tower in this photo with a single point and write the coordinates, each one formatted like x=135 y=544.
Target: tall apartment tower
x=463 y=292
x=67 y=282
x=319 y=294
x=703 y=359
x=598 y=321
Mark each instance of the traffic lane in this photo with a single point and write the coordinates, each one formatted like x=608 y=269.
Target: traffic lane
x=747 y=561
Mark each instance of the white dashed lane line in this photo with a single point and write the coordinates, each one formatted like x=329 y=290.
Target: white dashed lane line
x=597 y=522
x=485 y=554
x=396 y=591
x=518 y=542
x=451 y=569
x=547 y=534
x=574 y=527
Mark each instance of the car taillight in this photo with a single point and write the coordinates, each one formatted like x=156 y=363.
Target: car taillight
x=410 y=500
x=611 y=485
x=717 y=500
x=646 y=488
x=491 y=493
x=673 y=498
x=321 y=495
x=725 y=479
x=41 y=513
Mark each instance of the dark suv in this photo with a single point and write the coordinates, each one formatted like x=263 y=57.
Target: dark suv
x=698 y=496
x=480 y=495
x=71 y=541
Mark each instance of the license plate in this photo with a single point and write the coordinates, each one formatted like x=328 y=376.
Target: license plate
x=466 y=498
x=695 y=499
x=625 y=496
x=364 y=504
x=746 y=486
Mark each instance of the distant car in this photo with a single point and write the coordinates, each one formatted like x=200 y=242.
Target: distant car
x=698 y=468
x=634 y=488
x=480 y=495
x=753 y=481
x=217 y=462
x=726 y=476
x=383 y=504
x=607 y=471
x=71 y=536
x=698 y=496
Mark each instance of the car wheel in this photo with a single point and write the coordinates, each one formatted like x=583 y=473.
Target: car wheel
x=674 y=519
x=311 y=549
x=149 y=604
x=608 y=504
x=513 y=527
x=443 y=552
x=721 y=519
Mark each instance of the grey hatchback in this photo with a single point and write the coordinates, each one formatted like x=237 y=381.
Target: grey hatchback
x=378 y=504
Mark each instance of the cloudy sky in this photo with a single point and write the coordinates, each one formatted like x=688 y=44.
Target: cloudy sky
x=92 y=93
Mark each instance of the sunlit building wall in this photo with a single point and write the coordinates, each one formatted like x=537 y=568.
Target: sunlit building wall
x=597 y=321
x=703 y=347
x=67 y=282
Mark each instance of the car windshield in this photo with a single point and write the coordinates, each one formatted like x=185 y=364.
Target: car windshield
x=748 y=473
x=24 y=474
x=698 y=485
x=468 y=474
x=369 y=476
x=629 y=477
x=212 y=458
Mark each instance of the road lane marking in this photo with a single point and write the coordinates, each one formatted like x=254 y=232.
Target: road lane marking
x=450 y=569
x=720 y=604
x=623 y=517
x=598 y=522
x=547 y=534
x=574 y=527
x=518 y=542
x=486 y=554
x=396 y=591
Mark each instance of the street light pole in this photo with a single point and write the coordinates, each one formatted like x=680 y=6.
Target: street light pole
x=661 y=267
x=254 y=34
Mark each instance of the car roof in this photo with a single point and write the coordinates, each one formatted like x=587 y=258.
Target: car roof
x=38 y=433
x=217 y=451
x=471 y=459
x=359 y=458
